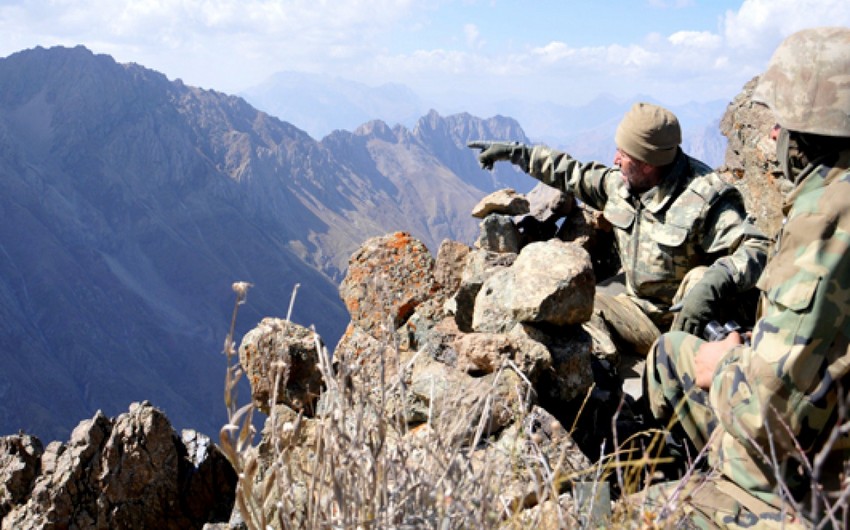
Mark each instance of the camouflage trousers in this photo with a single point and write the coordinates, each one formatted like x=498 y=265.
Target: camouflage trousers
x=630 y=330
x=634 y=324
x=709 y=501
x=714 y=499
x=669 y=386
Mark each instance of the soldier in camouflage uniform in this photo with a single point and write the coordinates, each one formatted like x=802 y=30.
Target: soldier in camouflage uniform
x=771 y=412
x=671 y=214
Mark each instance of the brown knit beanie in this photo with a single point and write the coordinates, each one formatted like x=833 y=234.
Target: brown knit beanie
x=649 y=133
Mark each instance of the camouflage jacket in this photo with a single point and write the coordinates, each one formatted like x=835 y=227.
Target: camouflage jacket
x=786 y=383
x=692 y=218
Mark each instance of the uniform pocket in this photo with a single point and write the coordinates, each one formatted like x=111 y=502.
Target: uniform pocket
x=669 y=235
x=618 y=215
x=796 y=296
x=792 y=275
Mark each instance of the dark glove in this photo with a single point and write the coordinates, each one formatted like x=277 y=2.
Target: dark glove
x=705 y=301
x=491 y=152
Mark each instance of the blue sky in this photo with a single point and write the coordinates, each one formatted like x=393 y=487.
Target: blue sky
x=555 y=50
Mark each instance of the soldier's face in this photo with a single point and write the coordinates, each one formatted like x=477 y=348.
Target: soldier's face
x=636 y=175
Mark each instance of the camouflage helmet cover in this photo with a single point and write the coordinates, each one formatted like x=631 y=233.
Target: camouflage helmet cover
x=807 y=82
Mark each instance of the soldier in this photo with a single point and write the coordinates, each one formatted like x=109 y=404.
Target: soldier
x=671 y=215
x=773 y=414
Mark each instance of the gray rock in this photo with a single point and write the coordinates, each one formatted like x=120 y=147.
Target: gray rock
x=449 y=266
x=751 y=163
x=536 y=440
x=498 y=234
x=458 y=405
x=281 y=360
x=484 y=353
x=548 y=204
x=550 y=282
x=480 y=265
x=20 y=464
x=570 y=375
x=506 y=202
x=133 y=472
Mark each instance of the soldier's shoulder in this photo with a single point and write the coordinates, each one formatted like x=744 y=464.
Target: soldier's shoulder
x=709 y=185
x=698 y=167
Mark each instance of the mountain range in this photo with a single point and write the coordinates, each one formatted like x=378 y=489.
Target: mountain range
x=321 y=104
x=132 y=202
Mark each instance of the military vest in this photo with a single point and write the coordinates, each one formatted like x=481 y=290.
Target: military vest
x=659 y=233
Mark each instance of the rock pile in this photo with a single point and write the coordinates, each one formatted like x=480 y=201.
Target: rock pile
x=501 y=323
x=509 y=313
x=130 y=472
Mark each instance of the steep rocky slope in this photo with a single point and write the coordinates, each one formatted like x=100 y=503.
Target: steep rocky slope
x=131 y=203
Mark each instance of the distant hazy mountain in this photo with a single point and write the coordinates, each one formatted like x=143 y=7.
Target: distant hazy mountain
x=130 y=203
x=587 y=131
x=321 y=104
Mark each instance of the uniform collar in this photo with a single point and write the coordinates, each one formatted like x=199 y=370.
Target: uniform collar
x=819 y=173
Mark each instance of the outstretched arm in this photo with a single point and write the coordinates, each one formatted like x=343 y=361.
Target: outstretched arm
x=492 y=152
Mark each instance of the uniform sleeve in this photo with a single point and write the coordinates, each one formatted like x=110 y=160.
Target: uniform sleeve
x=731 y=234
x=781 y=391
x=588 y=182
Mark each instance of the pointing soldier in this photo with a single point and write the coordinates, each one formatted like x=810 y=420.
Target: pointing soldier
x=671 y=214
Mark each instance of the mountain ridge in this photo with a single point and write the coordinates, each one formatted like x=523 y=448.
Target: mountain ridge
x=133 y=202
x=110 y=205
x=327 y=104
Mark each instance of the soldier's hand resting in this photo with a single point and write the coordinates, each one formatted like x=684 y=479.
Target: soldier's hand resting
x=708 y=357
x=704 y=301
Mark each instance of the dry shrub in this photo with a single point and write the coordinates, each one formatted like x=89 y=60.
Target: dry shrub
x=357 y=465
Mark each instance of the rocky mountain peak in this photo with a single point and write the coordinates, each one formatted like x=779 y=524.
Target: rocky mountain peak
x=131 y=202
x=376 y=129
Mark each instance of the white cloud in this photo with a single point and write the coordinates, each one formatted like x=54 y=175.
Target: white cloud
x=760 y=24
x=473 y=36
x=692 y=64
x=553 y=52
x=702 y=40
x=232 y=44
x=167 y=34
x=631 y=56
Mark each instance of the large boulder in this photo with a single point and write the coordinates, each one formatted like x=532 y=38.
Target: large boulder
x=751 y=162
x=550 y=282
x=388 y=277
x=462 y=407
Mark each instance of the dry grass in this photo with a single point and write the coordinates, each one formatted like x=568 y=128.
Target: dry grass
x=355 y=465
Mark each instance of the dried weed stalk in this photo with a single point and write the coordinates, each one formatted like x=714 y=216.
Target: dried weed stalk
x=359 y=464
